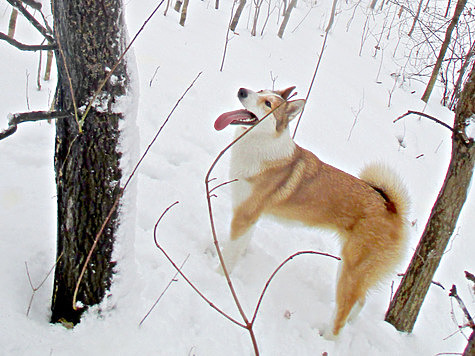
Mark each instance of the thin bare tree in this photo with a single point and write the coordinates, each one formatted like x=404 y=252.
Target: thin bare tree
x=448 y=34
x=237 y=15
x=416 y=18
x=407 y=301
x=288 y=11
x=184 y=11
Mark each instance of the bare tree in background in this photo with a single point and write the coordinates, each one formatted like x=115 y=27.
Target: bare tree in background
x=237 y=15
x=407 y=301
x=288 y=11
x=184 y=11
x=448 y=34
x=416 y=18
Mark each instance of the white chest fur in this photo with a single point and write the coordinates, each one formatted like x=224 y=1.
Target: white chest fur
x=249 y=155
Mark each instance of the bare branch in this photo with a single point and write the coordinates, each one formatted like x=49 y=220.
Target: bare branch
x=470 y=276
x=35 y=289
x=35 y=5
x=168 y=285
x=313 y=80
x=453 y=293
x=37 y=116
x=8 y=132
x=30 y=117
x=43 y=30
x=25 y=47
x=278 y=269
x=427 y=117
x=211 y=304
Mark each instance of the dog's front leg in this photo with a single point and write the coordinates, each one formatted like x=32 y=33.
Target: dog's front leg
x=244 y=219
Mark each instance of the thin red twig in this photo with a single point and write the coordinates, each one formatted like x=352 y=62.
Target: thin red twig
x=288 y=259
x=211 y=304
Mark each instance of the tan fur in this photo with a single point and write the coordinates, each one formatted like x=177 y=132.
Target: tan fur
x=367 y=213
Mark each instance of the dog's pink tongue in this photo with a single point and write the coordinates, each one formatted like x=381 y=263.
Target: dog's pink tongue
x=228 y=117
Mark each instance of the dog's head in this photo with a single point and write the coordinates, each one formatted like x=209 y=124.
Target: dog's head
x=271 y=105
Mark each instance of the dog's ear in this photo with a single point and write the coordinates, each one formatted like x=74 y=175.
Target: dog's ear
x=294 y=108
x=286 y=92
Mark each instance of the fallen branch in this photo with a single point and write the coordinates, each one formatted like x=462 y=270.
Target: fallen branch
x=25 y=47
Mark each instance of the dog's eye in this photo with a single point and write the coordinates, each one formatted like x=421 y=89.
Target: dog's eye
x=268 y=103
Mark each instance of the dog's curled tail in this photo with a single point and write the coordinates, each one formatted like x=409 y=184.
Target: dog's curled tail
x=389 y=185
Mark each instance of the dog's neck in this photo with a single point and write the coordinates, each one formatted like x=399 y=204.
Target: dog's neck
x=250 y=153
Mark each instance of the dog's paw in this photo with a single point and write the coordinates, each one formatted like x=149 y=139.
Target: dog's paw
x=229 y=268
x=327 y=333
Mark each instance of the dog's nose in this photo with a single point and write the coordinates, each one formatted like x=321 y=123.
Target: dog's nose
x=242 y=93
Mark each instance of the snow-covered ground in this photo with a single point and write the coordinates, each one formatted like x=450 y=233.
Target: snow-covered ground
x=347 y=123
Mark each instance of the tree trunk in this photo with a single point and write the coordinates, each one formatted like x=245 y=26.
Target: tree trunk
x=283 y=25
x=237 y=15
x=12 y=23
x=91 y=35
x=405 y=306
x=184 y=11
x=416 y=18
x=458 y=84
x=470 y=349
x=448 y=34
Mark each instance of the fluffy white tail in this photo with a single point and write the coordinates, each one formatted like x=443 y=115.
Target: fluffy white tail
x=382 y=178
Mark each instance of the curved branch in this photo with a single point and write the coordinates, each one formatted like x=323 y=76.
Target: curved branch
x=256 y=310
x=178 y=269
x=427 y=117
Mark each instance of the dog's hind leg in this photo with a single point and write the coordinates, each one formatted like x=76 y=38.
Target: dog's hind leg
x=363 y=265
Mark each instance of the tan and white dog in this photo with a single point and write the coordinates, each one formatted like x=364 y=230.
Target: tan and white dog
x=277 y=177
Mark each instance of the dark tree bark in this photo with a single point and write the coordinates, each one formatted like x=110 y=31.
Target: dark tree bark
x=406 y=304
x=91 y=38
x=470 y=349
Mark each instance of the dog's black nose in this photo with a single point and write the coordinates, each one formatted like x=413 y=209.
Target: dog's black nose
x=242 y=93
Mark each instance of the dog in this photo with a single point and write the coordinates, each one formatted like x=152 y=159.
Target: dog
x=277 y=177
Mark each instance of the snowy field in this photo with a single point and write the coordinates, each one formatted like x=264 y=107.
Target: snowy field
x=347 y=123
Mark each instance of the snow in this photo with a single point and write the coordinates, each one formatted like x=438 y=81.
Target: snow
x=347 y=123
